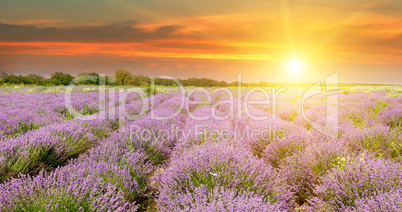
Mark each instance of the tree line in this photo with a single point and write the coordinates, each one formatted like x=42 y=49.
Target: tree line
x=124 y=78
x=120 y=78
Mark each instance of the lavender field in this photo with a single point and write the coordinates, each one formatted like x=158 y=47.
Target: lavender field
x=224 y=149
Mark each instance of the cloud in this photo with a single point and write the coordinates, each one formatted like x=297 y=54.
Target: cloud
x=121 y=32
x=184 y=43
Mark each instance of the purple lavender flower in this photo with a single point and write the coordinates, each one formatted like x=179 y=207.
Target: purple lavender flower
x=355 y=179
x=203 y=172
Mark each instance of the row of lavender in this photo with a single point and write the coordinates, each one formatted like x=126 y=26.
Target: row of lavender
x=359 y=170
x=26 y=108
x=21 y=112
x=77 y=89
x=112 y=176
x=201 y=170
x=54 y=145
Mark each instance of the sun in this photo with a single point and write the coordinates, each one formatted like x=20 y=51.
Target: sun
x=295 y=66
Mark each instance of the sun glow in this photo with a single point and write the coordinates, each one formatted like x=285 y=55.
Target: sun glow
x=295 y=66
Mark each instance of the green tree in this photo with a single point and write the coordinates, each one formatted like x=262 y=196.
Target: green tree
x=35 y=79
x=59 y=78
x=13 y=79
x=139 y=80
x=88 y=78
x=122 y=77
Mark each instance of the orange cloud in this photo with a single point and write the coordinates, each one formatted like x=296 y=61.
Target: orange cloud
x=360 y=37
x=181 y=66
x=121 y=49
x=152 y=65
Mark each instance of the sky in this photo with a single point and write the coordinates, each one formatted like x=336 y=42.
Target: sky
x=272 y=41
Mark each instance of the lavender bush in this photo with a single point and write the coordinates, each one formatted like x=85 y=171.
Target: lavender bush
x=66 y=189
x=106 y=162
x=198 y=176
x=304 y=169
x=22 y=112
x=388 y=201
x=355 y=179
x=50 y=146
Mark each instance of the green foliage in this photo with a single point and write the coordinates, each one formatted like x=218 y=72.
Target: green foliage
x=24 y=127
x=85 y=110
x=149 y=90
x=36 y=159
x=88 y=79
x=66 y=113
x=47 y=157
x=203 y=82
x=59 y=78
x=122 y=77
x=125 y=78
x=148 y=205
x=34 y=79
x=164 y=82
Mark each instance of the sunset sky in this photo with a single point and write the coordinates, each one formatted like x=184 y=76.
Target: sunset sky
x=362 y=40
